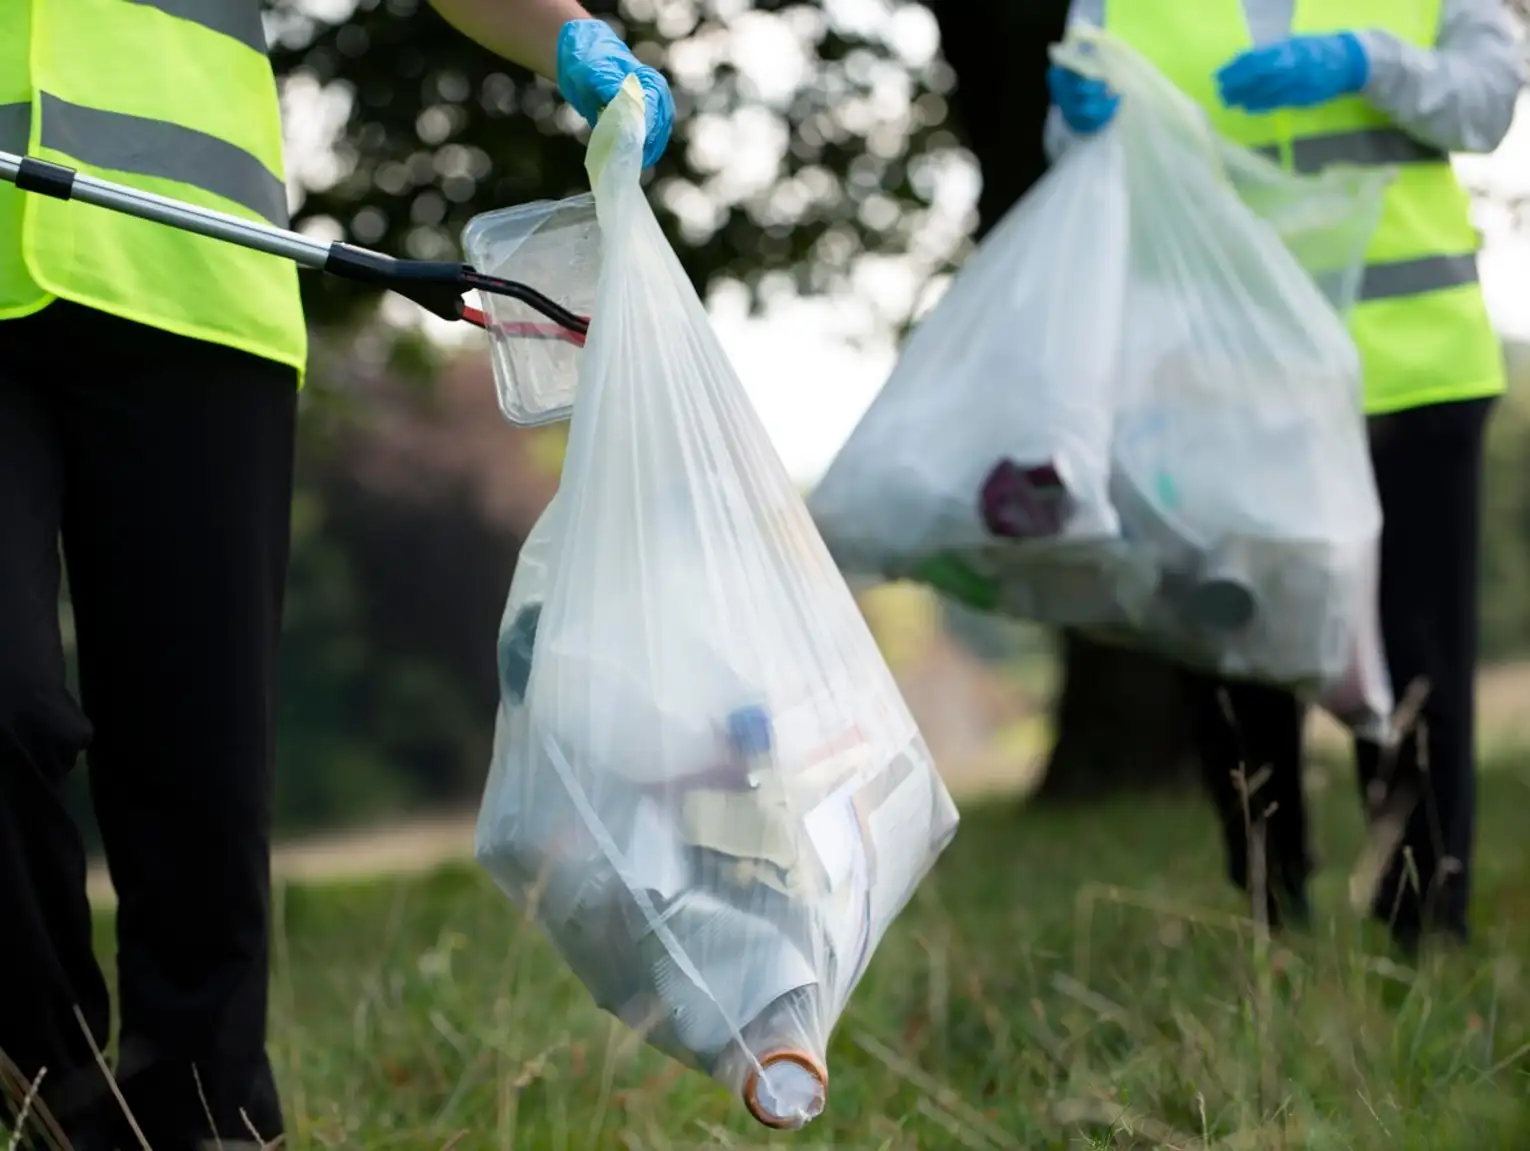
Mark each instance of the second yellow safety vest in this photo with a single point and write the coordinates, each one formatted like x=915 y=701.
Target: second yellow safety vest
x=174 y=97
x=1421 y=324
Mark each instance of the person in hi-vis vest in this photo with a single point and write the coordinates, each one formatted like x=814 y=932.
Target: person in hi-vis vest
x=148 y=390
x=1404 y=82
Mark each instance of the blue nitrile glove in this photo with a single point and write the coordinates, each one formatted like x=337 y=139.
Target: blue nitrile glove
x=1301 y=72
x=593 y=62
x=1086 y=104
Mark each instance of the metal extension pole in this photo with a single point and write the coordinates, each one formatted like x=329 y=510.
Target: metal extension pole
x=48 y=179
x=435 y=285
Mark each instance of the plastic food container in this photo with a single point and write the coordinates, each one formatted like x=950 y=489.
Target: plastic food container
x=554 y=247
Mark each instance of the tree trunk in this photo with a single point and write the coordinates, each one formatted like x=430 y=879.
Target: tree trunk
x=1120 y=719
x=1121 y=725
x=999 y=54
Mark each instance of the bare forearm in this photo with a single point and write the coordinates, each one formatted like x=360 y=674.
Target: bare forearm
x=524 y=32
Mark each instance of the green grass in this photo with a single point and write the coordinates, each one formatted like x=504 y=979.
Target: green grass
x=1063 y=980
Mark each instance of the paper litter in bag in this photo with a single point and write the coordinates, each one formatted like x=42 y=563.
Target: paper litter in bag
x=1148 y=371
x=705 y=785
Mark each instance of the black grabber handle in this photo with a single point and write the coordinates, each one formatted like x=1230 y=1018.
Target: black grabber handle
x=435 y=285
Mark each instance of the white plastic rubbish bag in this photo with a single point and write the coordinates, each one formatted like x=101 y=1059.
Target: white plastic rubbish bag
x=1201 y=287
x=705 y=785
x=1240 y=462
x=987 y=453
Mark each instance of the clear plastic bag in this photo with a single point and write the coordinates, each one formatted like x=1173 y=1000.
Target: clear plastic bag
x=1240 y=459
x=1239 y=527
x=983 y=465
x=553 y=245
x=705 y=785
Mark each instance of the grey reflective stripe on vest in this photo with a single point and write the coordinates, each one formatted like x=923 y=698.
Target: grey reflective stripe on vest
x=1369 y=147
x=1374 y=147
x=239 y=19
x=15 y=126
x=1416 y=277
x=144 y=147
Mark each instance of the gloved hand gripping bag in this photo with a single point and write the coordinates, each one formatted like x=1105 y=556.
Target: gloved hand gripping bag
x=705 y=786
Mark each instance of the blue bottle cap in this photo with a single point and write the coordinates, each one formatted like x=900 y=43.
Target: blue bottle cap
x=749 y=731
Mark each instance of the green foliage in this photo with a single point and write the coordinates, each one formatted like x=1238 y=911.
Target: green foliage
x=388 y=689
x=844 y=158
x=331 y=769
x=436 y=130
x=439 y=129
x=1062 y=978
x=1505 y=623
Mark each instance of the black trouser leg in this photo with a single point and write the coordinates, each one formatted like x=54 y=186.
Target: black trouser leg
x=176 y=459
x=1243 y=731
x=1428 y=464
x=47 y=968
x=176 y=535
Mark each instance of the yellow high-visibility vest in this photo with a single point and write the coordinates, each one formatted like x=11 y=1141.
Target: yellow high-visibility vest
x=174 y=97
x=1421 y=324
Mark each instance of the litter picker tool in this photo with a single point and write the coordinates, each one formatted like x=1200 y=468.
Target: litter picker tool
x=435 y=285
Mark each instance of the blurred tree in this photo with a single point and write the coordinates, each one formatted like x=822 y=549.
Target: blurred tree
x=437 y=571
x=781 y=181
x=1505 y=580
x=812 y=141
x=397 y=583
x=808 y=137
x=333 y=766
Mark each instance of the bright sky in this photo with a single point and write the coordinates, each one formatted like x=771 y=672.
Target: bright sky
x=810 y=385
x=812 y=366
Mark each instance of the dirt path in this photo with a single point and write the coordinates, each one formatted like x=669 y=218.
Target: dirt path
x=415 y=846
x=420 y=845
x=402 y=849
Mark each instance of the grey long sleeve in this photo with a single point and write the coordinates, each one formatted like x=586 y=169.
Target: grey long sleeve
x=1459 y=95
